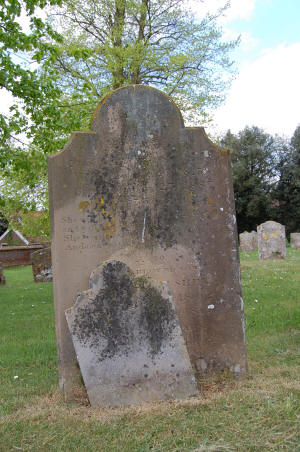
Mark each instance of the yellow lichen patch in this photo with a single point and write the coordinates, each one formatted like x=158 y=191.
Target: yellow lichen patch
x=105 y=214
x=191 y=201
x=83 y=206
x=110 y=228
x=274 y=234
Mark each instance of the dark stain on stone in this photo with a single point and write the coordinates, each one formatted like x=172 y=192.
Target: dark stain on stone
x=158 y=318
x=104 y=317
x=126 y=312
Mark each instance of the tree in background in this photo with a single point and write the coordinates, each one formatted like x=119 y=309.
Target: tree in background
x=112 y=43
x=86 y=49
x=286 y=194
x=253 y=164
x=18 y=51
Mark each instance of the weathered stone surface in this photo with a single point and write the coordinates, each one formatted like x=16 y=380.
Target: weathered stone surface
x=254 y=239
x=42 y=265
x=128 y=340
x=295 y=240
x=143 y=189
x=2 y=277
x=248 y=241
x=271 y=240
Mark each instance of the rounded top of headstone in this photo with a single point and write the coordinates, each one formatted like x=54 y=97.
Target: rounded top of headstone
x=153 y=108
x=270 y=223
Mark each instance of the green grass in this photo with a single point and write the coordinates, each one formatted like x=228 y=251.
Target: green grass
x=258 y=413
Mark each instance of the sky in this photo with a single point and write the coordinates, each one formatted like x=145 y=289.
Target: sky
x=265 y=92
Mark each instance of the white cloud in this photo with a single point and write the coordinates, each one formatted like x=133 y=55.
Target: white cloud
x=265 y=94
x=239 y=9
x=6 y=100
x=248 y=42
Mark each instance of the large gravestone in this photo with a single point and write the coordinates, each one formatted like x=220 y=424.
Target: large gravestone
x=248 y=241
x=128 y=340
x=142 y=189
x=295 y=240
x=271 y=240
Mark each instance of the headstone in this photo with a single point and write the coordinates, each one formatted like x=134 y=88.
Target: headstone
x=2 y=277
x=142 y=189
x=248 y=241
x=42 y=265
x=128 y=340
x=271 y=240
x=295 y=240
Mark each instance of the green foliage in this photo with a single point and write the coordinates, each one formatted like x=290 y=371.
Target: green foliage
x=3 y=222
x=286 y=195
x=36 y=225
x=109 y=44
x=18 y=51
x=84 y=50
x=24 y=189
x=253 y=165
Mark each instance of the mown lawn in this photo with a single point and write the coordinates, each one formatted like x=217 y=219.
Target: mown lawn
x=258 y=413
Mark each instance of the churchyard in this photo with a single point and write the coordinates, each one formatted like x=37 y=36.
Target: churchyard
x=257 y=412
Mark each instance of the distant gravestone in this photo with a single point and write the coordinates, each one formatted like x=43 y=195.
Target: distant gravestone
x=42 y=265
x=271 y=240
x=2 y=277
x=248 y=241
x=142 y=189
x=295 y=240
x=128 y=340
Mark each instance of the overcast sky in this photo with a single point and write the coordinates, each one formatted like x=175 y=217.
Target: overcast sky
x=266 y=90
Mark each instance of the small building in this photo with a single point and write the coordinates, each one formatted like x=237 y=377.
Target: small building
x=12 y=237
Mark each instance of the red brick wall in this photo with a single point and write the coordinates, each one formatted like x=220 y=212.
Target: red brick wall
x=17 y=255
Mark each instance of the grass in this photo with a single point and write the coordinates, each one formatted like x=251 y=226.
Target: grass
x=258 y=413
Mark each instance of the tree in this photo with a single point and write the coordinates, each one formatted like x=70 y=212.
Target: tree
x=253 y=164
x=286 y=194
x=18 y=50
x=106 y=45
x=109 y=44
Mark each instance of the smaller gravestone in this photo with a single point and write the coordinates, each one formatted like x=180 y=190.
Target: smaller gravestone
x=295 y=240
x=271 y=241
x=248 y=241
x=41 y=265
x=2 y=277
x=128 y=340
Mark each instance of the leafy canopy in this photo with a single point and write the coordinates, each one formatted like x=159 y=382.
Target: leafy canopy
x=86 y=49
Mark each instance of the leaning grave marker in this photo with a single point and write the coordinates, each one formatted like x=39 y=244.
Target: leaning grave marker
x=142 y=189
x=128 y=340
